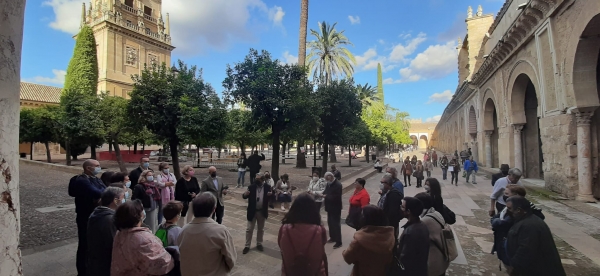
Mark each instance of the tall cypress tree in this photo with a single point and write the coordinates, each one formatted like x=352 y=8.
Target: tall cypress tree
x=379 y=83
x=79 y=100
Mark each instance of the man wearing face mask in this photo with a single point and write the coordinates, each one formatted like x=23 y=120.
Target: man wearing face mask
x=497 y=202
x=333 y=207
x=529 y=245
x=101 y=231
x=134 y=175
x=390 y=201
x=258 y=195
x=86 y=188
x=214 y=184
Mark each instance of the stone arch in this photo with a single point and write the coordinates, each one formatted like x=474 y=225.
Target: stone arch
x=582 y=54
x=472 y=121
x=490 y=126
x=423 y=141
x=522 y=74
x=489 y=108
x=415 y=140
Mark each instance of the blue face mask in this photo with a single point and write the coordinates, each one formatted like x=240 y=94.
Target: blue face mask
x=166 y=171
x=146 y=165
x=122 y=200
x=128 y=184
x=143 y=215
x=97 y=170
x=126 y=195
x=150 y=178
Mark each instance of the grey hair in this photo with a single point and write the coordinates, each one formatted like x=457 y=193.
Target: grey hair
x=329 y=173
x=209 y=194
x=204 y=204
x=388 y=179
x=110 y=194
x=393 y=170
x=515 y=172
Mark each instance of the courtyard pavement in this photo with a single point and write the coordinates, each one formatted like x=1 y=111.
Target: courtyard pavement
x=576 y=233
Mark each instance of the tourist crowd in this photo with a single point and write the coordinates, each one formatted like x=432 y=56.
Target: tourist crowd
x=150 y=223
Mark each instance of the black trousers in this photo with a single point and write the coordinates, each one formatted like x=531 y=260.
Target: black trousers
x=406 y=182
x=82 y=247
x=219 y=212
x=252 y=176
x=334 y=219
x=454 y=177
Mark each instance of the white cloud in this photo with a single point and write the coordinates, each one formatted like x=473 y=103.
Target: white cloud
x=369 y=61
x=401 y=51
x=208 y=24
x=67 y=15
x=354 y=19
x=59 y=78
x=443 y=97
x=437 y=61
x=381 y=41
x=276 y=14
x=289 y=58
x=433 y=119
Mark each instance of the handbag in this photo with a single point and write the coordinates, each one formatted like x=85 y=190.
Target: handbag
x=448 y=215
x=353 y=217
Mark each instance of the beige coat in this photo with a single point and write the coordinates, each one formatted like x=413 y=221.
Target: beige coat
x=436 y=263
x=206 y=248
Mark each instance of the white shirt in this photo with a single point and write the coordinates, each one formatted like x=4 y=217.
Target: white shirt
x=499 y=188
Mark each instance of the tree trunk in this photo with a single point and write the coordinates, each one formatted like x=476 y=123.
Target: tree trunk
x=135 y=148
x=219 y=154
x=175 y=156
x=68 y=152
x=48 y=155
x=303 y=29
x=332 y=156
x=325 y=155
x=31 y=151
x=93 y=152
x=349 y=156
x=367 y=152
x=283 y=153
x=11 y=40
x=315 y=156
x=119 y=156
x=275 y=157
x=110 y=146
x=143 y=148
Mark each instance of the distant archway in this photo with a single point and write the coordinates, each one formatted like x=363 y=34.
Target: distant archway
x=415 y=142
x=524 y=103
x=472 y=121
x=490 y=123
x=423 y=142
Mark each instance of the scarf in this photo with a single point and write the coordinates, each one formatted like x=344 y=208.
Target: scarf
x=152 y=190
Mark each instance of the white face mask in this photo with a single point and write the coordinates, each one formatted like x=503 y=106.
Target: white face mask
x=122 y=200
x=427 y=188
x=315 y=178
x=126 y=195
x=381 y=186
x=150 y=178
x=128 y=184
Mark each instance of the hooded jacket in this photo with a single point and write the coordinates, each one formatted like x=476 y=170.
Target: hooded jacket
x=100 y=232
x=371 y=250
x=436 y=263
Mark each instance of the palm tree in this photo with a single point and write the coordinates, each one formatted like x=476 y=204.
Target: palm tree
x=328 y=57
x=303 y=27
x=366 y=94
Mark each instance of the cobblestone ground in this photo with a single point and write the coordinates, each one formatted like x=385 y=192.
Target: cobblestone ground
x=574 y=232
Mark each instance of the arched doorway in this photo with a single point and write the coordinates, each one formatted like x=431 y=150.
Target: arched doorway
x=415 y=142
x=490 y=126
x=423 y=142
x=472 y=128
x=524 y=103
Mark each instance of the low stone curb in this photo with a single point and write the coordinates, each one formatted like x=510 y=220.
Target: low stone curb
x=52 y=166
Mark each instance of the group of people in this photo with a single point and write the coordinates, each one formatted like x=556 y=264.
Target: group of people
x=419 y=169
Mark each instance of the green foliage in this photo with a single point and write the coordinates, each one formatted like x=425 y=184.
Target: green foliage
x=82 y=72
x=328 y=57
x=113 y=113
x=340 y=108
x=27 y=126
x=275 y=93
x=367 y=94
x=241 y=129
x=204 y=118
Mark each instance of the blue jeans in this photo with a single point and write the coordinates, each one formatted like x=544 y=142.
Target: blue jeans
x=444 y=173
x=241 y=177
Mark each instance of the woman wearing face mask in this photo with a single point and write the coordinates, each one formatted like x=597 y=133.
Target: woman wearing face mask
x=121 y=180
x=166 y=184
x=186 y=189
x=147 y=191
x=316 y=187
x=136 y=251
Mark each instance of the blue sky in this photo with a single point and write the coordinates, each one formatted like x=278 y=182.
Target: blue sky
x=414 y=40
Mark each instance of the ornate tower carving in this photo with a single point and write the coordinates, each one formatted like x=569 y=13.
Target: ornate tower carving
x=130 y=34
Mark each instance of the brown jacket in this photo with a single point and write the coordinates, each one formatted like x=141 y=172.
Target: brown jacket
x=370 y=251
x=407 y=168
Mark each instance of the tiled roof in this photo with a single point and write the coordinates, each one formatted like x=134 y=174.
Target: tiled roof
x=40 y=93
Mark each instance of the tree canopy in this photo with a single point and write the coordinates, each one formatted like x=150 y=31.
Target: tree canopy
x=328 y=56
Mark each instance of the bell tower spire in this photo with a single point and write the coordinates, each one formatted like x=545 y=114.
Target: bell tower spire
x=83 y=16
x=167 y=26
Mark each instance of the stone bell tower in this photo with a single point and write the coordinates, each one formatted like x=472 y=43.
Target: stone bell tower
x=129 y=34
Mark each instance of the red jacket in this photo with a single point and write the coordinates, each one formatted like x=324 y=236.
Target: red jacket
x=360 y=198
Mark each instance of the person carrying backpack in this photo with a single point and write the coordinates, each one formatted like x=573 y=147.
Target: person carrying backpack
x=169 y=231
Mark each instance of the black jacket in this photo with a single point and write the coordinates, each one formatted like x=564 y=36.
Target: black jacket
x=100 y=233
x=139 y=192
x=251 y=210
x=414 y=249
x=253 y=162
x=86 y=190
x=333 y=198
x=497 y=176
x=531 y=249
x=391 y=207
x=134 y=176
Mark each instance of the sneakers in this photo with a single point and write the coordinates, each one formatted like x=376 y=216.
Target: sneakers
x=260 y=247
x=246 y=250
x=282 y=208
x=337 y=245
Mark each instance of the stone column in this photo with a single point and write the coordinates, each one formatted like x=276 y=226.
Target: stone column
x=584 y=156
x=488 y=148
x=11 y=41
x=517 y=130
